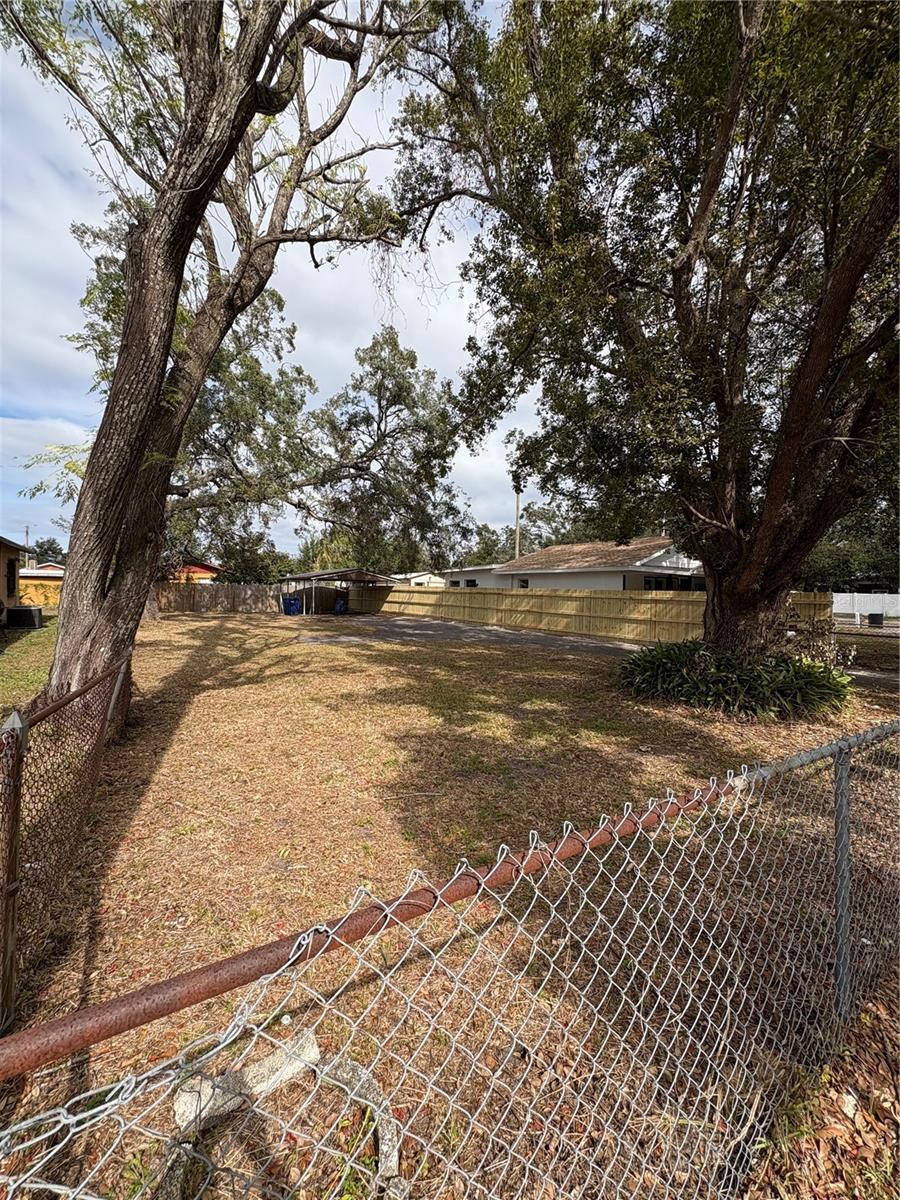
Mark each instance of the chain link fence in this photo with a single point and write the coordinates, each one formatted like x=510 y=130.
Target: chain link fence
x=618 y=1015
x=49 y=761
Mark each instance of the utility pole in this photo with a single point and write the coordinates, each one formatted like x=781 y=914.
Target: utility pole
x=518 y=498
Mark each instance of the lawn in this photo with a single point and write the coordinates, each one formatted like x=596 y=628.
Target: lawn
x=262 y=779
x=874 y=652
x=25 y=656
x=271 y=767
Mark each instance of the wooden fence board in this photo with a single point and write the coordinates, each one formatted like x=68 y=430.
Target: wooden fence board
x=218 y=597
x=628 y=616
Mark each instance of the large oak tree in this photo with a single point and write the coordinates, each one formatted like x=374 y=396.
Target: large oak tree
x=223 y=128
x=687 y=245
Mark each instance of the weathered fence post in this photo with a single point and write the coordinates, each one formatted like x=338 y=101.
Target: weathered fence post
x=11 y=787
x=842 y=988
x=114 y=697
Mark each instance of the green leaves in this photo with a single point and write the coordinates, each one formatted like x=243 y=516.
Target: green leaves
x=584 y=133
x=749 y=685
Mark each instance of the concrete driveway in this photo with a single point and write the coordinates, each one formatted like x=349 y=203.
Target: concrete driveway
x=365 y=627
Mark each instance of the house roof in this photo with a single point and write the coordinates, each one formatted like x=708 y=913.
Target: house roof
x=473 y=567
x=189 y=563
x=197 y=569
x=586 y=556
x=42 y=573
x=50 y=566
x=14 y=545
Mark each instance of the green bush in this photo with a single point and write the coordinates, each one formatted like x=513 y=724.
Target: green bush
x=774 y=685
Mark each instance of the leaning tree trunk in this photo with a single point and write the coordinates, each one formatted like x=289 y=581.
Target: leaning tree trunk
x=118 y=530
x=738 y=617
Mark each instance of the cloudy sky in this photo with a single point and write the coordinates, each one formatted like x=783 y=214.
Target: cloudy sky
x=47 y=183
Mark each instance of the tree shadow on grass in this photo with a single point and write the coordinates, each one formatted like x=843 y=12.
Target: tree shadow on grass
x=61 y=921
x=495 y=740
x=514 y=739
x=719 y=967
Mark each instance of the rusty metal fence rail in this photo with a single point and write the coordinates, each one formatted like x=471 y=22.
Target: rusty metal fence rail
x=617 y=1014
x=49 y=760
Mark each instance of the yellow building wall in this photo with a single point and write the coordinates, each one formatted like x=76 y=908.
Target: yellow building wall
x=45 y=592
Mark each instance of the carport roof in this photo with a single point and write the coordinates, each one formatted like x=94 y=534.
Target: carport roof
x=344 y=575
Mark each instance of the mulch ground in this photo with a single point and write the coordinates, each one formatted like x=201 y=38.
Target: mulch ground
x=838 y=1135
x=263 y=778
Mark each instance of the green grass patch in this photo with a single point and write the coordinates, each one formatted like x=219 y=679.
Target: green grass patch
x=872 y=652
x=25 y=657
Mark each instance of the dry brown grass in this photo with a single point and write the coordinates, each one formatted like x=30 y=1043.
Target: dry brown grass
x=839 y=1133
x=263 y=778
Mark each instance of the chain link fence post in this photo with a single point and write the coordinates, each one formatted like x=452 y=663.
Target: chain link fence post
x=114 y=700
x=15 y=734
x=842 y=981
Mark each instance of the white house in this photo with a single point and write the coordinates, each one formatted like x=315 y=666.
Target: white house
x=644 y=564
x=419 y=579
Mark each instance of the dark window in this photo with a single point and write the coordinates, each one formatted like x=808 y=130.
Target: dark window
x=523 y=583
x=471 y=583
x=419 y=584
x=454 y=583
x=10 y=578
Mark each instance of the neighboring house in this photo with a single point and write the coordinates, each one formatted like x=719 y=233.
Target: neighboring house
x=195 y=570
x=480 y=576
x=644 y=564
x=41 y=584
x=10 y=552
x=420 y=579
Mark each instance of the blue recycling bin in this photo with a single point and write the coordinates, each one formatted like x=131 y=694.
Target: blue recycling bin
x=290 y=606
x=340 y=606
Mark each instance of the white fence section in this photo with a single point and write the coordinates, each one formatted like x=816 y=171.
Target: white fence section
x=849 y=603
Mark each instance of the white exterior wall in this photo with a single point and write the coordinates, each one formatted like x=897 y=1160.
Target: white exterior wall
x=483 y=576
x=862 y=602
x=609 y=581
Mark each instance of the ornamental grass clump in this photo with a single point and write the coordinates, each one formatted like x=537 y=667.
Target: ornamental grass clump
x=745 y=684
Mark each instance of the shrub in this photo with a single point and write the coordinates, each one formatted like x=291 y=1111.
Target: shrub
x=773 y=685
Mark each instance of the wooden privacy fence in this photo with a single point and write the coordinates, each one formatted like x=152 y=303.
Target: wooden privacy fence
x=239 y=597
x=625 y=616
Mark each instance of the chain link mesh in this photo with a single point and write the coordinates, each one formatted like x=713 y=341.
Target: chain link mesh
x=58 y=776
x=620 y=1024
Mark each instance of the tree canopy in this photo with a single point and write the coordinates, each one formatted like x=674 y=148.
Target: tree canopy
x=368 y=466
x=687 y=244
x=223 y=130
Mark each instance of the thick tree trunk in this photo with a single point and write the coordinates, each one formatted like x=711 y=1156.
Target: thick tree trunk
x=737 y=619
x=117 y=532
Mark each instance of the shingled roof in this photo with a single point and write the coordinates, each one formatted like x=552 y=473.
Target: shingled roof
x=585 y=556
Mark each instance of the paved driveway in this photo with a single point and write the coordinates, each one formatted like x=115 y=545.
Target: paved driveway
x=366 y=627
